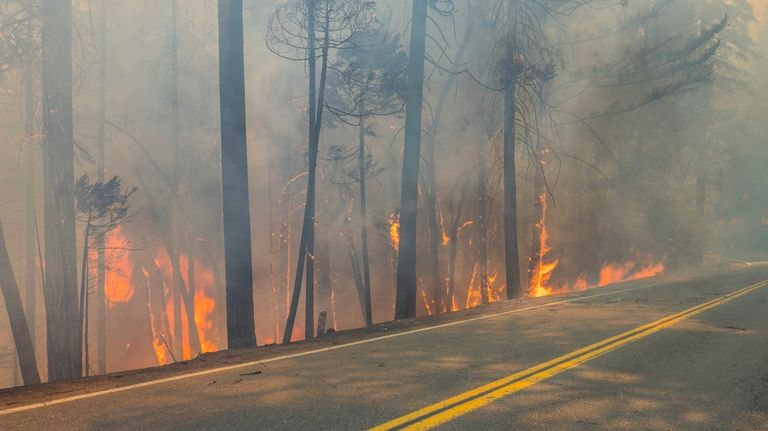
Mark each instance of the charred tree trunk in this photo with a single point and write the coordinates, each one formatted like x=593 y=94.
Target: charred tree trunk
x=368 y=314
x=194 y=341
x=324 y=282
x=60 y=292
x=84 y=297
x=100 y=299
x=155 y=284
x=511 y=256
x=177 y=288
x=309 y=308
x=25 y=350
x=182 y=295
x=306 y=243
x=234 y=166
x=285 y=251
x=30 y=276
x=435 y=230
x=537 y=229
x=482 y=225
x=435 y=225
x=453 y=249
x=312 y=151
x=356 y=273
x=405 y=302
x=273 y=290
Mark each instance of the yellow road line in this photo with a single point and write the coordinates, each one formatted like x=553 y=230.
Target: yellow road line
x=439 y=413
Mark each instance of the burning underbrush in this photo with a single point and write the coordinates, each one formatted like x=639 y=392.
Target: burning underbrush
x=543 y=266
x=150 y=299
x=165 y=307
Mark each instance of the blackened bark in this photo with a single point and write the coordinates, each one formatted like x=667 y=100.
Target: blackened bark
x=234 y=170
x=537 y=230
x=435 y=226
x=30 y=274
x=309 y=308
x=84 y=297
x=176 y=287
x=482 y=225
x=511 y=257
x=324 y=281
x=368 y=314
x=100 y=298
x=194 y=335
x=435 y=230
x=24 y=347
x=60 y=291
x=306 y=243
x=405 y=302
x=453 y=249
x=311 y=168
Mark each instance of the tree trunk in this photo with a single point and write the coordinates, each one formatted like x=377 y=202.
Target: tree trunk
x=30 y=276
x=176 y=287
x=537 y=250
x=324 y=281
x=182 y=295
x=435 y=231
x=194 y=335
x=435 y=227
x=311 y=168
x=306 y=243
x=84 y=297
x=64 y=341
x=368 y=314
x=309 y=308
x=482 y=225
x=285 y=252
x=234 y=165
x=356 y=274
x=405 y=302
x=511 y=256
x=155 y=285
x=100 y=299
x=454 y=246
x=25 y=350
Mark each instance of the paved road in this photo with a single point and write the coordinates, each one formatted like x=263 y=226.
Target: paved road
x=704 y=370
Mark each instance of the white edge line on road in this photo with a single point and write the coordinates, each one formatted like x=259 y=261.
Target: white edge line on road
x=311 y=352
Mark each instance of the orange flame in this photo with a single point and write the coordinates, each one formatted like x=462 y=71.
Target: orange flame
x=118 y=288
x=610 y=272
x=542 y=272
x=613 y=273
x=394 y=230
x=427 y=305
x=493 y=294
x=651 y=270
x=204 y=306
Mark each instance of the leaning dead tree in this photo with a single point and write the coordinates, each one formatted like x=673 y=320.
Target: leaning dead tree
x=25 y=349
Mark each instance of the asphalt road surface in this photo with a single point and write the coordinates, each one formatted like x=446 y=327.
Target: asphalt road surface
x=690 y=354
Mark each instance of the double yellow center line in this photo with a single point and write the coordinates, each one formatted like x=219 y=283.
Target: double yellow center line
x=439 y=413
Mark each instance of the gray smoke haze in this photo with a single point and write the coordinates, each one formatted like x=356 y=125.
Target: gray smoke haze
x=647 y=150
